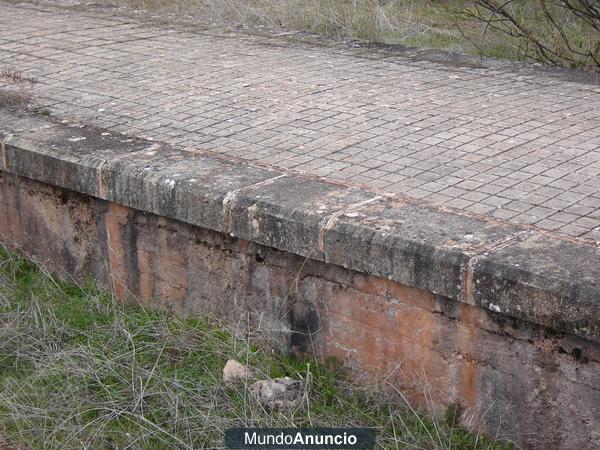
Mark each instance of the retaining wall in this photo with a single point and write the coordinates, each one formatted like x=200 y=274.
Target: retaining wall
x=498 y=318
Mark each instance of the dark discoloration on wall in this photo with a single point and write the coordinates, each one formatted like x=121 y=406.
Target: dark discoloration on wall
x=54 y=226
x=535 y=386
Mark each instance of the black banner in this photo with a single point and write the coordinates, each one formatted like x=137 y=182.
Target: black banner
x=300 y=438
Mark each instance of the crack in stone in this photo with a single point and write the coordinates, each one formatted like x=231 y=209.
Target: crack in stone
x=99 y=170
x=230 y=196
x=467 y=289
x=331 y=221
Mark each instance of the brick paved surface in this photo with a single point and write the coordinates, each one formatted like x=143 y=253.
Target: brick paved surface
x=517 y=145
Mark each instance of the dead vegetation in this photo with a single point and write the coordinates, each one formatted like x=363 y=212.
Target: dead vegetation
x=14 y=75
x=559 y=32
x=16 y=99
x=16 y=94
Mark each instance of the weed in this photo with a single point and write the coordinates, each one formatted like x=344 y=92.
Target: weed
x=19 y=99
x=17 y=95
x=14 y=75
x=78 y=369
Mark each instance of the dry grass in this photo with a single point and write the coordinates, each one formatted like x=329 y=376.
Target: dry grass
x=14 y=75
x=390 y=21
x=17 y=94
x=557 y=32
x=16 y=99
x=79 y=370
x=443 y=24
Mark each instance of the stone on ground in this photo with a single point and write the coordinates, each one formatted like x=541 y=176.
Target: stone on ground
x=278 y=393
x=236 y=371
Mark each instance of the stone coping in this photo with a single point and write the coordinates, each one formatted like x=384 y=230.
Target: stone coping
x=512 y=270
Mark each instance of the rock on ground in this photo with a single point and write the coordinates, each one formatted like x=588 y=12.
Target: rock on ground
x=234 y=370
x=278 y=393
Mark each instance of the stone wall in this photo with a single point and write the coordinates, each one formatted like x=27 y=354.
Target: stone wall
x=532 y=384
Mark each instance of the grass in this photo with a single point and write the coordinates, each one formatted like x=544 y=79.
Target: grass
x=80 y=370
x=16 y=100
x=457 y=25
x=17 y=94
x=14 y=75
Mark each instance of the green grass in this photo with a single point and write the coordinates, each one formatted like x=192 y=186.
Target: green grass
x=457 y=25
x=79 y=370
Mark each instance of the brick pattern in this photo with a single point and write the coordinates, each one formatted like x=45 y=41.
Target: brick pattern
x=513 y=145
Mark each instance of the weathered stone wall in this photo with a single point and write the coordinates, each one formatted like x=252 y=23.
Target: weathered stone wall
x=526 y=382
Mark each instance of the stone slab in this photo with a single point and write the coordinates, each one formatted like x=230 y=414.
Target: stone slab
x=512 y=270
x=65 y=155
x=181 y=185
x=415 y=244
x=555 y=281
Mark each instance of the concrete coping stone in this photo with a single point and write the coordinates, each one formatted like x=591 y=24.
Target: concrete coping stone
x=509 y=269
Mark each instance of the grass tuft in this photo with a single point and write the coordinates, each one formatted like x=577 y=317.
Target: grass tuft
x=14 y=75
x=80 y=370
x=16 y=100
x=16 y=95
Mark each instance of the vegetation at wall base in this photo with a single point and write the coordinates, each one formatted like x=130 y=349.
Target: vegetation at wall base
x=81 y=370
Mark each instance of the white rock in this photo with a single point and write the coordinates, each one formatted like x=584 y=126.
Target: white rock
x=235 y=370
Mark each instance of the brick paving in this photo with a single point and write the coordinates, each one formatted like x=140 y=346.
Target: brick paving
x=519 y=145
